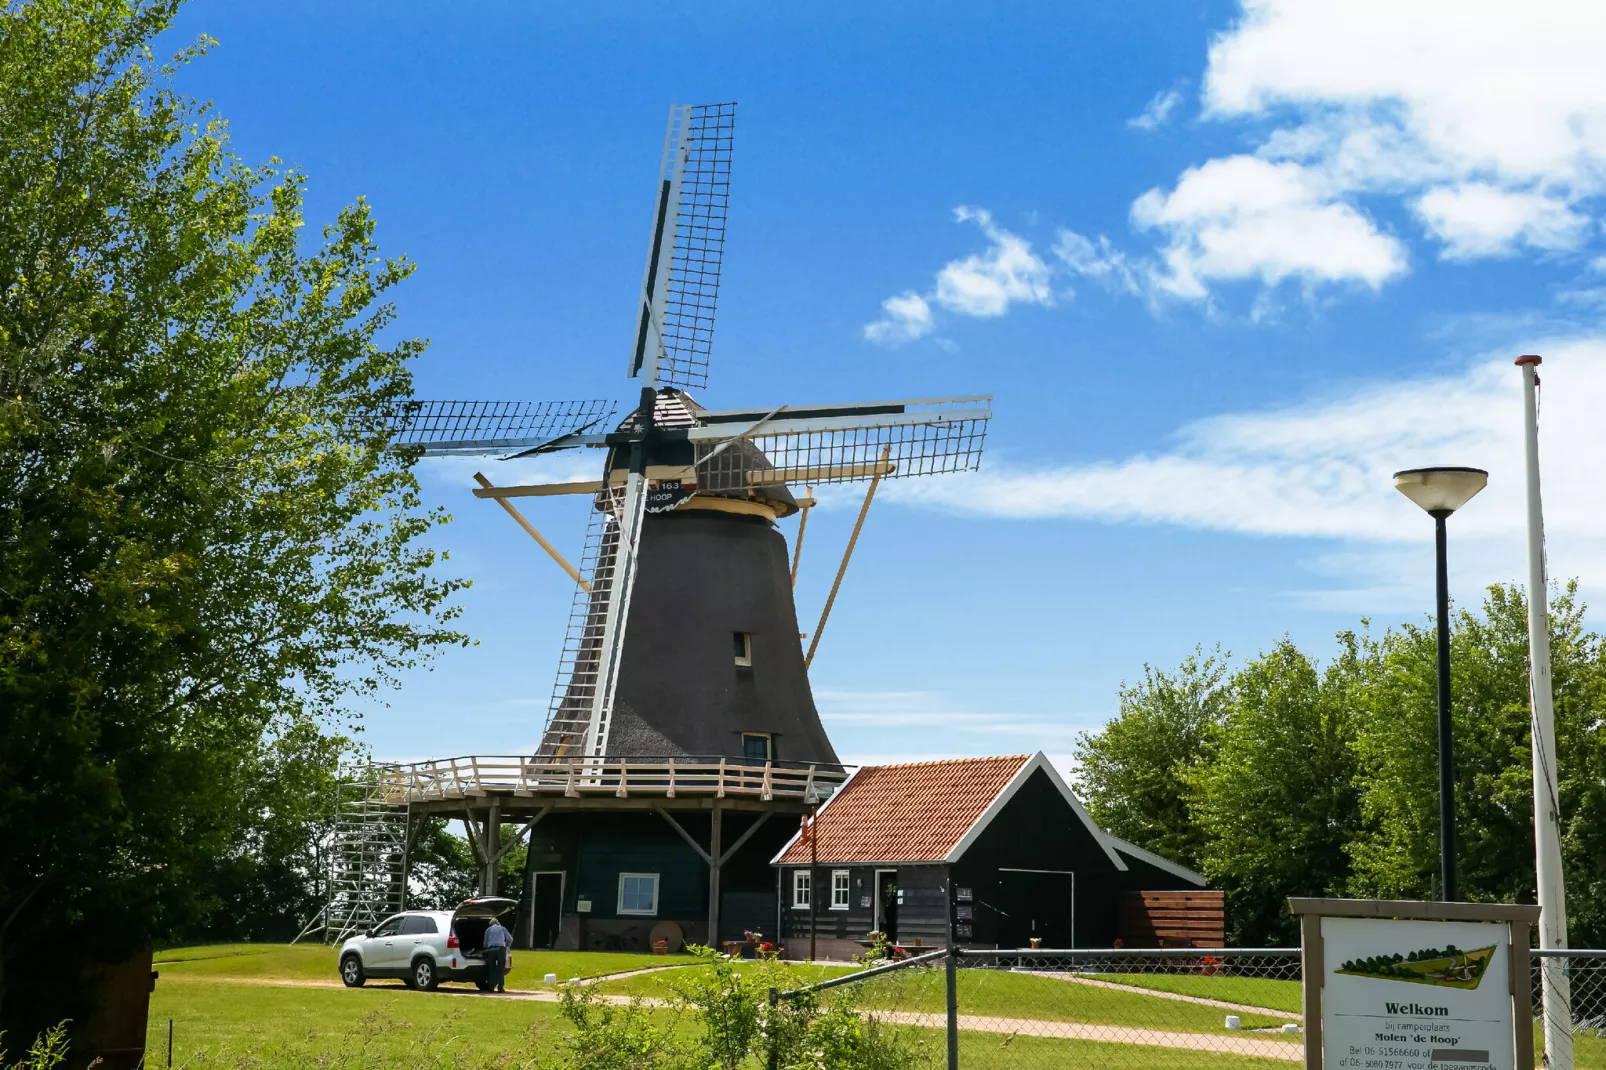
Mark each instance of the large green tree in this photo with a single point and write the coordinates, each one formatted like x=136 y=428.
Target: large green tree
x=1134 y=774
x=1277 y=802
x=1293 y=779
x=1397 y=850
x=207 y=546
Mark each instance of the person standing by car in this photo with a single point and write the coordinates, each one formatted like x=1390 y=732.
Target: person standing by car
x=497 y=941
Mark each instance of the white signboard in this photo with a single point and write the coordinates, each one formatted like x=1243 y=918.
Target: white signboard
x=1416 y=995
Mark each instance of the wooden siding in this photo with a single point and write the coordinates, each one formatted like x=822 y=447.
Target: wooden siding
x=1173 y=919
x=920 y=915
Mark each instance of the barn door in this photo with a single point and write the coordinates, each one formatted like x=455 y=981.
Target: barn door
x=1036 y=903
x=546 y=909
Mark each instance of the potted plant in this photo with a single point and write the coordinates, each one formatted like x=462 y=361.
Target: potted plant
x=1037 y=942
x=661 y=947
x=767 y=950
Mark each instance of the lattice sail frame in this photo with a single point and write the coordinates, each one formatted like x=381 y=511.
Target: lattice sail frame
x=680 y=289
x=926 y=437
x=477 y=427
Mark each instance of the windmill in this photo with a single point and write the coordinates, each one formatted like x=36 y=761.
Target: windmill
x=682 y=526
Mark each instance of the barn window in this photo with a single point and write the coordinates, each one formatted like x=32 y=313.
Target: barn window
x=742 y=643
x=839 y=889
x=802 y=885
x=638 y=893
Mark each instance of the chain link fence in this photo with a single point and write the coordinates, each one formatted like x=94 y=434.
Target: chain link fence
x=1149 y=1009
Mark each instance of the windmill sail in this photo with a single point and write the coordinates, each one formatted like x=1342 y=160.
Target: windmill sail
x=844 y=443
x=680 y=288
x=440 y=428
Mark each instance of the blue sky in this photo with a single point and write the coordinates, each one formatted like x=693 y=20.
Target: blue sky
x=1224 y=266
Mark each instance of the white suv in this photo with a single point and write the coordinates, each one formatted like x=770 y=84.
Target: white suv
x=425 y=947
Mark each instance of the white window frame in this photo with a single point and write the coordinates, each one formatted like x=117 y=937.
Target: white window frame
x=638 y=913
x=745 y=658
x=802 y=888
x=841 y=881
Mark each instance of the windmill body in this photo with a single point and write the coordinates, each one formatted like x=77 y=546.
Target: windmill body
x=681 y=718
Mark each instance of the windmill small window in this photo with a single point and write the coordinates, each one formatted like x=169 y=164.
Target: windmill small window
x=758 y=746
x=742 y=644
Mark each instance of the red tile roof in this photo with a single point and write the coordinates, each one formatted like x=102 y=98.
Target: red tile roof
x=906 y=813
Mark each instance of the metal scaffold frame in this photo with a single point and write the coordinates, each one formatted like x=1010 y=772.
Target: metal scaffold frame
x=365 y=858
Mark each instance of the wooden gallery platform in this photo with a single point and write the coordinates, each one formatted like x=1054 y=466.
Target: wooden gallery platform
x=619 y=847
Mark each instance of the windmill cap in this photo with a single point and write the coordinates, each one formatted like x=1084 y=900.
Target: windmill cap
x=1530 y=358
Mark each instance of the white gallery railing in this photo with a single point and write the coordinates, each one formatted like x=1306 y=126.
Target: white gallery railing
x=664 y=778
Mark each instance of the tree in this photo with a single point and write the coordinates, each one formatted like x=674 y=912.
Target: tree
x=1276 y=803
x=1134 y=774
x=207 y=545
x=444 y=871
x=1397 y=852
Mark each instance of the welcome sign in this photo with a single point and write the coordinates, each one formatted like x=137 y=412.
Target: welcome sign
x=1415 y=986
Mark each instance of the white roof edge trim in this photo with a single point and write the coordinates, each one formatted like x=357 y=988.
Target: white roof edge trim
x=835 y=795
x=1157 y=862
x=1027 y=768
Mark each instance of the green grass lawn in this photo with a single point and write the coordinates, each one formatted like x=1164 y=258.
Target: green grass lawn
x=220 y=1024
x=315 y=962
x=997 y=993
x=1022 y=995
x=1037 y=1053
x=219 y=1021
x=784 y=975
x=1253 y=991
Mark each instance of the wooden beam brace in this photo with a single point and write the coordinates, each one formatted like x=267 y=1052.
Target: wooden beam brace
x=743 y=838
x=521 y=833
x=802 y=526
x=529 y=529
x=842 y=569
x=695 y=846
x=537 y=490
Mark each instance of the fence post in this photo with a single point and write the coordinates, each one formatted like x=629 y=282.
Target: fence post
x=952 y=971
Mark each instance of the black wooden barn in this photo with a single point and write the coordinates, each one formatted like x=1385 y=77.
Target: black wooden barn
x=1022 y=856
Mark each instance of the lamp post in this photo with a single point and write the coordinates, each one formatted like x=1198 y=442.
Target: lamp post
x=1441 y=491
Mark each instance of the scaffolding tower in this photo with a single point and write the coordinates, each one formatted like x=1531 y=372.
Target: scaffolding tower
x=365 y=859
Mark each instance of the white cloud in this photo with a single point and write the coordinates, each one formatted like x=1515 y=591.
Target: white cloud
x=1007 y=273
x=983 y=285
x=1323 y=470
x=1476 y=219
x=1242 y=217
x=1157 y=112
x=904 y=318
x=1097 y=260
x=1485 y=119
x=1500 y=107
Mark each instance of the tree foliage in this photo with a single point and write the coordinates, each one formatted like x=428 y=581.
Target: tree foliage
x=1135 y=773
x=206 y=545
x=1324 y=781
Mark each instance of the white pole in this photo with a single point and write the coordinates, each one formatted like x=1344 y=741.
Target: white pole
x=1547 y=817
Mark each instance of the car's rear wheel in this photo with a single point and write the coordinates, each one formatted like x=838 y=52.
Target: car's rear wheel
x=423 y=975
x=351 y=971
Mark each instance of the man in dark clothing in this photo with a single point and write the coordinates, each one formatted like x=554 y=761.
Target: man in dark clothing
x=497 y=941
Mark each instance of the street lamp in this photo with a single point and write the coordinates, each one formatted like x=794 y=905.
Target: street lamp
x=1441 y=491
